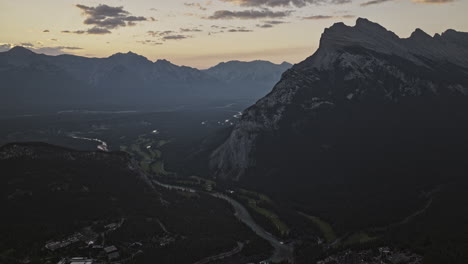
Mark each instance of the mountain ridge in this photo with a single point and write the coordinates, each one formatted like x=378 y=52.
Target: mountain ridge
x=35 y=80
x=24 y=50
x=358 y=132
x=372 y=36
x=351 y=65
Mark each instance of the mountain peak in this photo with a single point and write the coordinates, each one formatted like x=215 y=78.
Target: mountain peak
x=460 y=38
x=366 y=23
x=420 y=34
x=163 y=62
x=364 y=64
x=128 y=54
x=129 y=57
x=363 y=33
x=238 y=63
x=19 y=50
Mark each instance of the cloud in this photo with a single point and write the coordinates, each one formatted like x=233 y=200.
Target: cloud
x=69 y=48
x=91 y=31
x=196 y=5
x=57 y=50
x=168 y=35
x=103 y=11
x=283 y=3
x=46 y=31
x=433 y=1
x=318 y=17
x=54 y=50
x=374 y=2
x=103 y=18
x=190 y=30
x=5 y=47
x=275 y=22
x=322 y=17
x=212 y=33
x=175 y=37
x=159 y=33
x=222 y=30
x=27 y=44
x=265 y=26
x=239 y=29
x=249 y=14
x=149 y=42
x=98 y=31
x=270 y=23
x=74 y=32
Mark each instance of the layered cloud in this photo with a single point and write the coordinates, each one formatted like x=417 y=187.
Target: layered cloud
x=283 y=3
x=91 y=31
x=104 y=18
x=109 y=17
x=5 y=47
x=150 y=42
x=434 y=1
x=239 y=29
x=270 y=23
x=374 y=2
x=321 y=17
x=56 y=50
x=172 y=35
x=249 y=14
x=175 y=37
x=190 y=30
x=200 y=6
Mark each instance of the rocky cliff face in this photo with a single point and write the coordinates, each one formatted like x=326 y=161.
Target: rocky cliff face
x=364 y=67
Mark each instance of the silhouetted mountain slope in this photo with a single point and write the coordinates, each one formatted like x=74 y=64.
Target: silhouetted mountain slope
x=33 y=79
x=356 y=68
x=359 y=131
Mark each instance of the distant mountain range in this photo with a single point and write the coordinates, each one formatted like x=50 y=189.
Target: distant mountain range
x=30 y=79
x=249 y=79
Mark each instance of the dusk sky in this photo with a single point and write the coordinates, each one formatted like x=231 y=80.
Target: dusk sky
x=203 y=33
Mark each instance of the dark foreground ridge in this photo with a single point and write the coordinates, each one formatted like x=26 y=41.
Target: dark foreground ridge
x=62 y=203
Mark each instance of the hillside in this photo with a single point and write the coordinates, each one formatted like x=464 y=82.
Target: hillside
x=360 y=132
x=62 y=203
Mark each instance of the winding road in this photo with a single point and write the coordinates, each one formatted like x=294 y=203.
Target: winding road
x=282 y=251
x=102 y=144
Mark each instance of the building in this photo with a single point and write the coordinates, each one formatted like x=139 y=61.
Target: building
x=113 y=256
x=112 y=252
x=110 y=249
x=81 y=260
